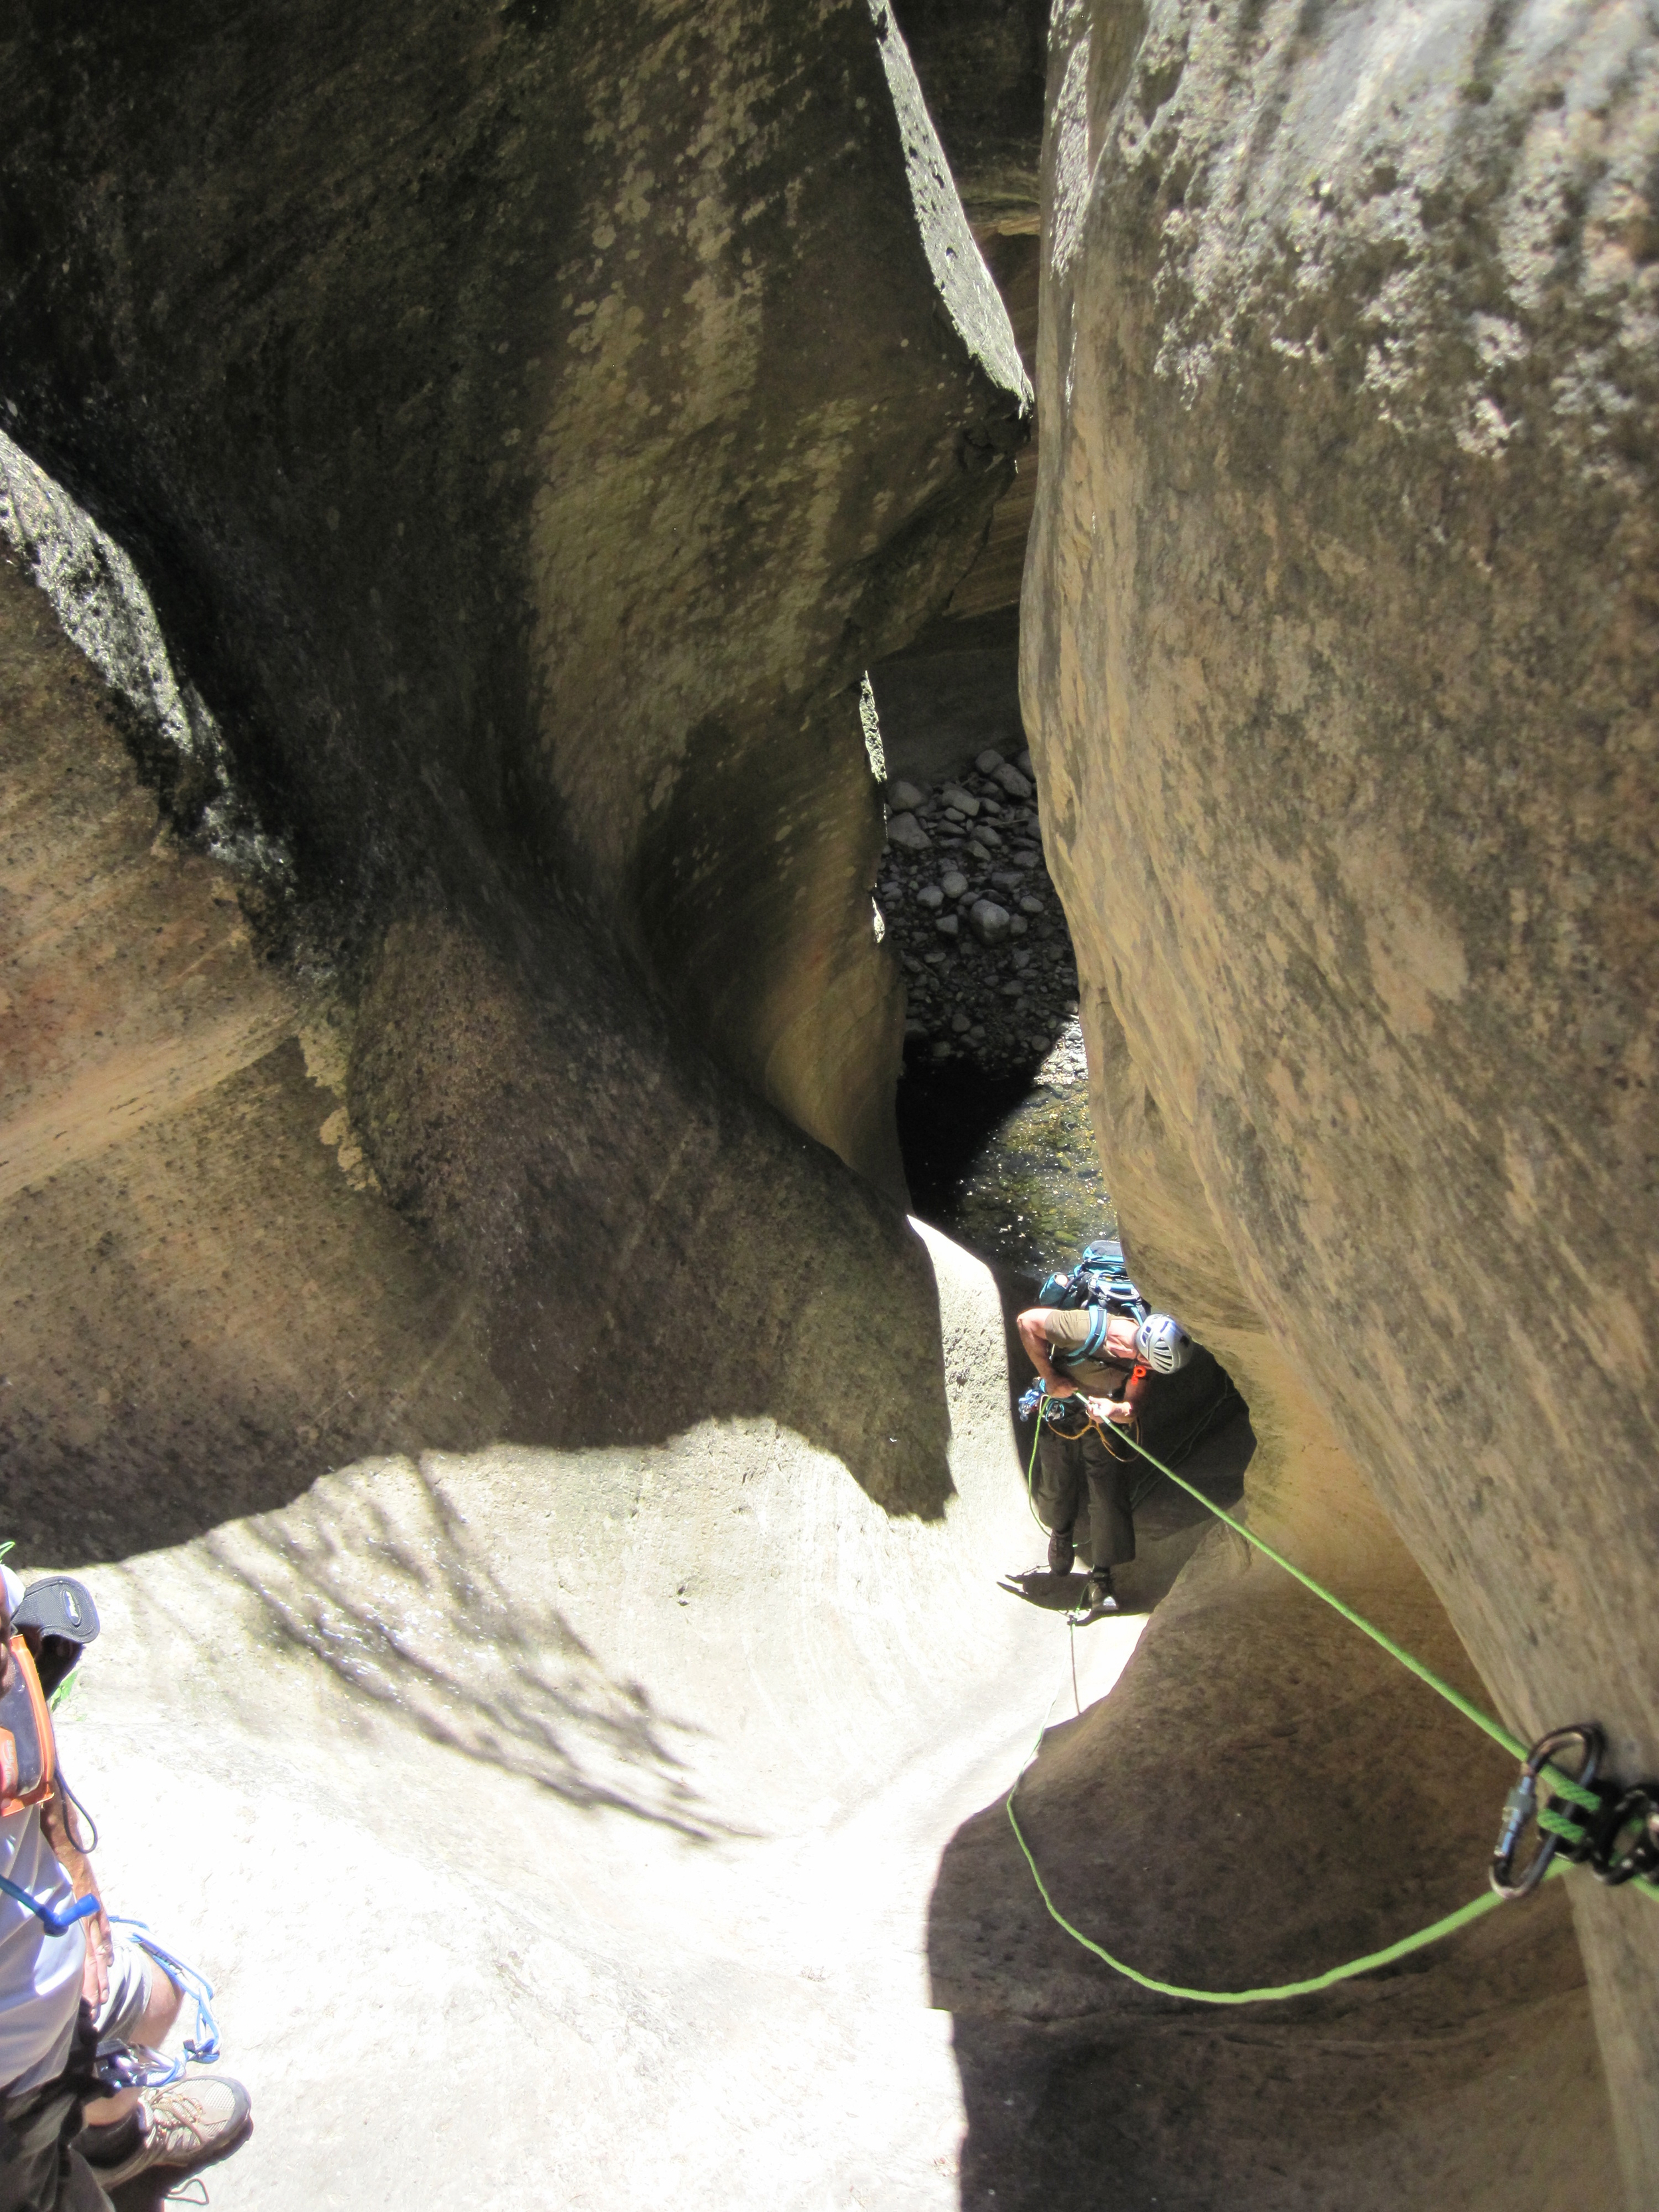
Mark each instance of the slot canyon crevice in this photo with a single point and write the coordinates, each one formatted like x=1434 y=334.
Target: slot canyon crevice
x=494 y=498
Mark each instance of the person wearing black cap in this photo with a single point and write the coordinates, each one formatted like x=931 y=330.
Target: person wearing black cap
x=67 y=1987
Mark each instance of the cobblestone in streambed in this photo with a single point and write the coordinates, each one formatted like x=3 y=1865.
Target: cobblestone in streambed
x=988 y=963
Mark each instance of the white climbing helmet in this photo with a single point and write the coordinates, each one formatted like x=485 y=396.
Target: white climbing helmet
x=1163 y=1344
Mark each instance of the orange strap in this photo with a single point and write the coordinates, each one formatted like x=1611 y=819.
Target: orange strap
x=13 y=1796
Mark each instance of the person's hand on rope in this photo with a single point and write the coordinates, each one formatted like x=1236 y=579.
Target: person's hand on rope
x=1116 y=1410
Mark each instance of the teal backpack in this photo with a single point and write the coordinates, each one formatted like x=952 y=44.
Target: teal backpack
x=1099 y=1282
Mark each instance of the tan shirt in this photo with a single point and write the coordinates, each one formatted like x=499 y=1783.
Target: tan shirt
x=1097 y=1378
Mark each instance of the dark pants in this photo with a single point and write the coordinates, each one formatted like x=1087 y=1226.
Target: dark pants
x=38 y=2171
x=1075 y=1471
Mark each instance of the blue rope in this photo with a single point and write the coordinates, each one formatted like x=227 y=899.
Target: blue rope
x=202 y=2047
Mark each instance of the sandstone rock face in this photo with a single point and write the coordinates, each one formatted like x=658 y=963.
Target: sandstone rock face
x=425 y=1254
x=1338 y=659
x=524 y=450
x=526 y=464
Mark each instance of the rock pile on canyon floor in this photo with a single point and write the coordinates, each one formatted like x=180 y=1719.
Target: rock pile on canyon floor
x=965 y=896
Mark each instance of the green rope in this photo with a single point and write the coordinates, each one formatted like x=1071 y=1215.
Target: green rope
x=1560 y=1784
x=1031 y=1469
x=1386 y=1957
x=1552 y=1823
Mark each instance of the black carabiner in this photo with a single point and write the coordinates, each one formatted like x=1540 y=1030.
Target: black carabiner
x=1638 y=1807
x=1521 y=1806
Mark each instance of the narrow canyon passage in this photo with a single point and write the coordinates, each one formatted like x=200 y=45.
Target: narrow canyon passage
x=679 y=695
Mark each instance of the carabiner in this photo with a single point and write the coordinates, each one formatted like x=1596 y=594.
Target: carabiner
x=1521 y=1806
x=1638 y=1807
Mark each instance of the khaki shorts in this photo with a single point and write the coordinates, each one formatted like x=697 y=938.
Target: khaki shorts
x=131 y=1978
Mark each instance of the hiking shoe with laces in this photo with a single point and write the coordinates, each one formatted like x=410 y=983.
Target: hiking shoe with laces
x=189 y=2120
x=1061 y=1553
x=1096 y=1596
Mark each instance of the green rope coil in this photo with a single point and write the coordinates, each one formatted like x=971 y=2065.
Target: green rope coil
x=1561 y=1785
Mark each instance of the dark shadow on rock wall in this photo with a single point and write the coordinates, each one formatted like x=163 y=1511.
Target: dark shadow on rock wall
x=1263 y=1795
x=202 y=1319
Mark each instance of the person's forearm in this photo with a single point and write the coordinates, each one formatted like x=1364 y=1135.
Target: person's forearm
x=1035 y=1338
x=56 y=1820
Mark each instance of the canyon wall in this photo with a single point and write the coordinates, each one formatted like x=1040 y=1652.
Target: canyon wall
x=1338 y=659
x=526 y=440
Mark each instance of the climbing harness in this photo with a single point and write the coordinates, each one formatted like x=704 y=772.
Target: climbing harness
x=1585 y=1821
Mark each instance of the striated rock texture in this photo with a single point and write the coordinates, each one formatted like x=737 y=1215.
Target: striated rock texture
x=1339 y=653
x=515 y=441
x=525 y=440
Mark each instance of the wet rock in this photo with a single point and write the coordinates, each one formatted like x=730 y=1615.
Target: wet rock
x=907 y=834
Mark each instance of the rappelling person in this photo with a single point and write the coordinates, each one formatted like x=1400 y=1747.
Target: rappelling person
x=85 y=2102
x=1097 y=1346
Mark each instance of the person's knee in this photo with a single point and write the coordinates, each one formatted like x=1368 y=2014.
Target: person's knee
x=161 y=2008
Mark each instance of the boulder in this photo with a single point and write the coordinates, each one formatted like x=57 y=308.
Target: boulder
x=904 y=798
x=1012 y=781
x=965 y=802
x=1339 y=656
x=989 y=921
x=907 y=834
x=953 y=883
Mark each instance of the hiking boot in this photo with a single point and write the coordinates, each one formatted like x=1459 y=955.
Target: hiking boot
x=1096 y=1596
x=188 y=2120
x=1061 y=1553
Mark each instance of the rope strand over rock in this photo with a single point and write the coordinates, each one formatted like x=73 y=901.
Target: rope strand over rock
x=1535 y=1763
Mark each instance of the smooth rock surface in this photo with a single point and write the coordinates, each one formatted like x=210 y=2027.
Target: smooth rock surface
x=1339 y=658
x=405 y=482
x=559 y=1827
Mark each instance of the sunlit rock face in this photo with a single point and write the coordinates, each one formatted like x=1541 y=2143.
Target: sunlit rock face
x=1338 y=661
x=525 y=441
